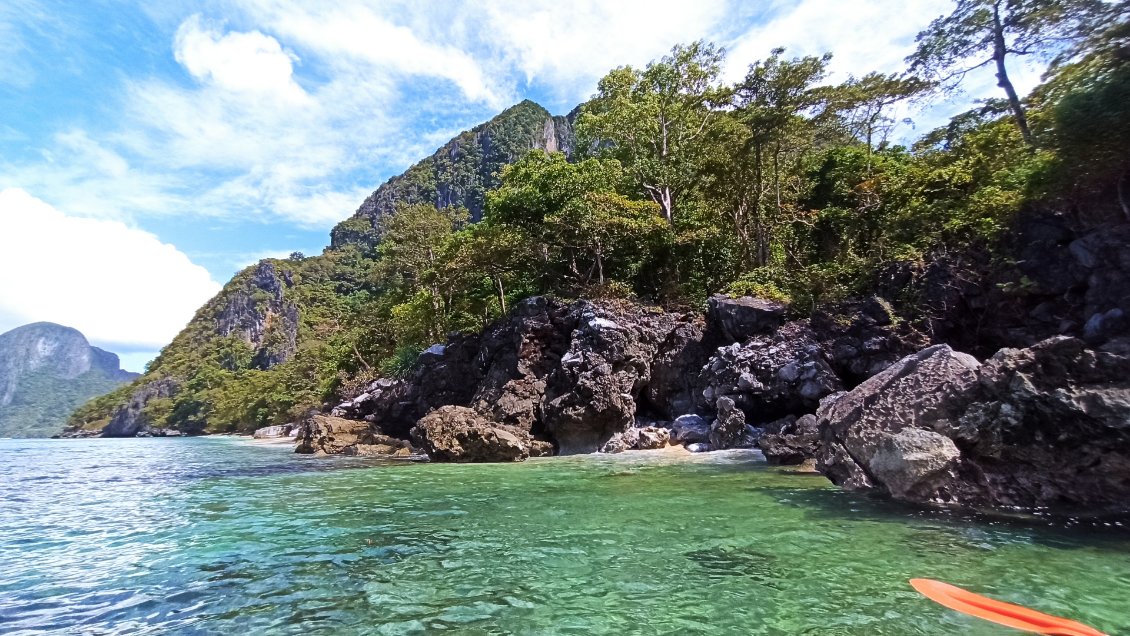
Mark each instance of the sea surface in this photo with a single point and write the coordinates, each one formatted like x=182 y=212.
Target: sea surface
x=220 y=536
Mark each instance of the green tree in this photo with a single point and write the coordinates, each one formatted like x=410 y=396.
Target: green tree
x=778 y=102
x=410 y=264
x=656 y=120
x=982 y=32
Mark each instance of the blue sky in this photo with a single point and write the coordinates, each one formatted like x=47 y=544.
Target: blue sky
x=148 y=151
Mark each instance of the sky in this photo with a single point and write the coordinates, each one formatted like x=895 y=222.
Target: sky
x=148 y=151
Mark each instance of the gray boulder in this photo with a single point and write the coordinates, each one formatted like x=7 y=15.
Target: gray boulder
x=791 y=440
x=690 y=429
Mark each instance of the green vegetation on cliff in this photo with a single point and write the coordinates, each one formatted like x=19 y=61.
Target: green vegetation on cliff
x=782 y=185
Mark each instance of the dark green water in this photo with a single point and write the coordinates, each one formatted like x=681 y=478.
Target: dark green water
x=215 y=536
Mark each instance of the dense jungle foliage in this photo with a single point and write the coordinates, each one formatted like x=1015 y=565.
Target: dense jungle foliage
x=783 y=185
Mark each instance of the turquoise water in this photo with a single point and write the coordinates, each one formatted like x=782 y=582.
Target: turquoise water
x=217 y=536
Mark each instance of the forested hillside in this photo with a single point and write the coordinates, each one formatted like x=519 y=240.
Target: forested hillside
x=671 y=185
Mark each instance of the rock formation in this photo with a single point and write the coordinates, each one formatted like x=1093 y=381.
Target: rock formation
x=1042 y=427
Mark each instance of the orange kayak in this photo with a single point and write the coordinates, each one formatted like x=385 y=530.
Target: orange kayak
x=998 y=612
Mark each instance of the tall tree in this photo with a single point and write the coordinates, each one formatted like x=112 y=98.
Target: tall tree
x=655 y=120
x=778 y=102
x=959 y=42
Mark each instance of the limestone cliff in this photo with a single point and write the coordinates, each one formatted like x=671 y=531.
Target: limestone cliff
x=461 y=172
x=46 y=370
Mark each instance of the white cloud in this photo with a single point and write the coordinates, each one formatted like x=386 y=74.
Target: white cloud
x=237 y=62
x=862 y=36
x=569 y=46
x=360 y=33
x=120 y=286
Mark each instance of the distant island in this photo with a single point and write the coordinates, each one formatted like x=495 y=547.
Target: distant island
x=46 y=371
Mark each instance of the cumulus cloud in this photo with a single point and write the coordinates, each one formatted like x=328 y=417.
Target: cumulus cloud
x=120 y=286
x=237 y=62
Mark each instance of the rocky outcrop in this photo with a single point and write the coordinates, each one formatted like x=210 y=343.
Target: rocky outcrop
x=675 y=368
x=769 y=376
x=327 y=435
x=461 y=434
x=1042 y=427
x=592 y=393
x=570 y=373
x=728 y=429
x=132 y=418
x=791 y=440
x=255 y=308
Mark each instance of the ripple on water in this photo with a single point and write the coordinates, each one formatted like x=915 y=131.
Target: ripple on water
x=211 y=536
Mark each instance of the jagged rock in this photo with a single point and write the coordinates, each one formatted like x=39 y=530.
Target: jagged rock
x=769 y=376
x=591 y=395
x=690 y=429
x=728 y=430
x=674 y=367
x=516 y=357
x=735 y=319
x=791 y=440
x=1046 y=426
x=861 y=339
x=327 y=435
x=460 y=434
x=927 y=390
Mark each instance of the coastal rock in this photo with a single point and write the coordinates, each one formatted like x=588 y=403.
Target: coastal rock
x=328 y=435
x=690 y=429
x=591 y=395
x=729 y=429
x=130 y=419
x=736 y=319
x=274 y=432
x=791 y=440
x=646 y=438
x=677 y=362
x=770 y=376
x=460 y=434
x=1045 y=426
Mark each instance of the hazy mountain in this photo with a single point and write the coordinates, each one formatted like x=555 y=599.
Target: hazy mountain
x=46 y=371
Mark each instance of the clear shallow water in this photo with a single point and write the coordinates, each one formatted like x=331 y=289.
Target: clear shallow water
x=215 y=536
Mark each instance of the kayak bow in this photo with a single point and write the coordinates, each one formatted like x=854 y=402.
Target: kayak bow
x=999 y=612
